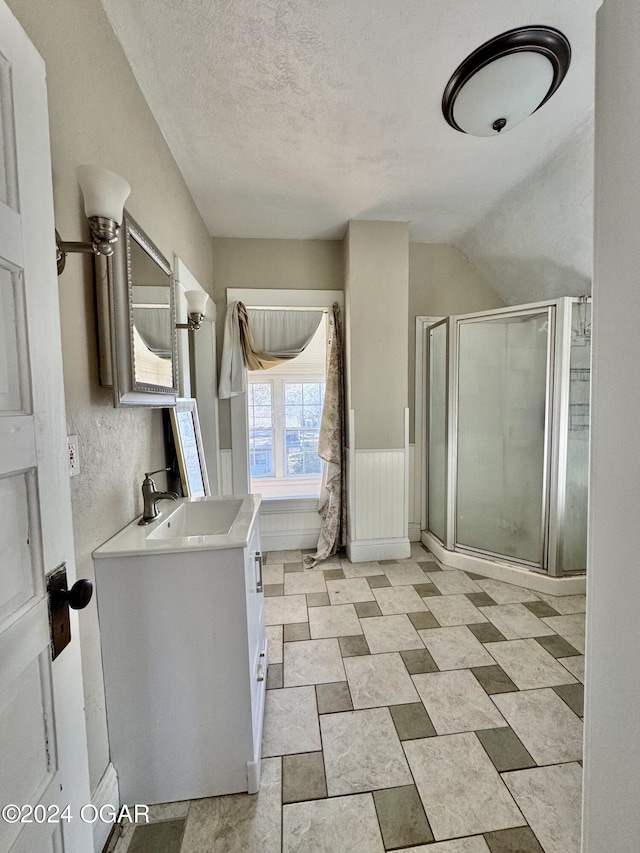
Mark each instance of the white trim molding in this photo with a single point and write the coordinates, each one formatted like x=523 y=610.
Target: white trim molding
x=364 y=550
x=264 y=298
x=198 y=369
x=414 y=531
x=506 y=572
x=106 y=793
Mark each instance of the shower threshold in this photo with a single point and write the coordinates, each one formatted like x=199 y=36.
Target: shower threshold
x=536 y=580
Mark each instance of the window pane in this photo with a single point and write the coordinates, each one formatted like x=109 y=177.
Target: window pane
x=302 y=452
x=293 y=416
x=312 y=416
x=312 y=463
x=260 y=393
x=260 y=411
x=309 y=414
x=312 y=392
x=262 y=417
x=261 y=453
x=292 y=393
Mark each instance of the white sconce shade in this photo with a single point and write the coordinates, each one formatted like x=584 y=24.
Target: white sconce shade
x=505 y=80
x=104 y=192
x=196 y=301
x=510 y=88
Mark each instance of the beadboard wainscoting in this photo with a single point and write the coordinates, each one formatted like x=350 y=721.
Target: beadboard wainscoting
x=380 y=494
x=285 y=523
x=289 y=523
x=378 y=519
x=378 y=504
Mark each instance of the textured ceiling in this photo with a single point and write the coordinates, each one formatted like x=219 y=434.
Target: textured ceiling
x=288 y=118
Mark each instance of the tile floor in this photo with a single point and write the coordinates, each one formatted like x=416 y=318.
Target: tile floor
x=409 y=707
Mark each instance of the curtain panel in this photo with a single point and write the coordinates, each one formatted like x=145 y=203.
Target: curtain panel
x=331 y=449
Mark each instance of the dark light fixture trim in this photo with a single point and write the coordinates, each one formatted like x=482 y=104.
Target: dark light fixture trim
x=547 y=41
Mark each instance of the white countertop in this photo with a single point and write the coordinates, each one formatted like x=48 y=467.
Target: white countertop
x=154 y=538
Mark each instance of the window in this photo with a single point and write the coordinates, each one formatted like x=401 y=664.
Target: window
x=302 y=414
x=285 y=411
x=261 y=429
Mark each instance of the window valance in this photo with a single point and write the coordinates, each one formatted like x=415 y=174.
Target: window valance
x=258 y=338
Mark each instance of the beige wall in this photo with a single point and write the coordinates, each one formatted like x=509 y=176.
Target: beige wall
x=441 y=282
x=97 y=115
x=376 y=344
x=537 y=242
x=270 y=264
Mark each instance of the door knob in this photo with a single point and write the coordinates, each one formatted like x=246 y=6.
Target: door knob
x=79 y=595
x=60 y=600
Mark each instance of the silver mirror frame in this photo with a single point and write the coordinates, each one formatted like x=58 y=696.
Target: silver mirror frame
x=115 y=321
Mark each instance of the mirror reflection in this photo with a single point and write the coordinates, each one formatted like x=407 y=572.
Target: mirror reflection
x=151 y=330
x=136 y=316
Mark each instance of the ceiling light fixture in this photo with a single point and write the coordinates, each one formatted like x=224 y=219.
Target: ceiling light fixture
x=505 y=80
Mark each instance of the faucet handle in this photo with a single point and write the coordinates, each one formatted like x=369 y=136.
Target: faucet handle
x=149 y=473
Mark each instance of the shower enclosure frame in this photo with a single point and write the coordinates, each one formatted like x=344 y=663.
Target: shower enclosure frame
x=556 y=437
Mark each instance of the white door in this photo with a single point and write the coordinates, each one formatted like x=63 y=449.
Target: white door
x=41 y=764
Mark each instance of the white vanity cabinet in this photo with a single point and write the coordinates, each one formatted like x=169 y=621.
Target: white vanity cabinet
x=185 y=665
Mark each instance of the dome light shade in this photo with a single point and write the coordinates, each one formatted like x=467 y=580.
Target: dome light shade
x=506 y=80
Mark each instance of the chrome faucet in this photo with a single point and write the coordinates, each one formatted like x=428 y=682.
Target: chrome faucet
x=151 y=496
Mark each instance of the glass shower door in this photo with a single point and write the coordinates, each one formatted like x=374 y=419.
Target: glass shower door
x=501 y=436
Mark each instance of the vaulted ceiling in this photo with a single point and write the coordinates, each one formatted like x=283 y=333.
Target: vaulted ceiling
x=288 y=118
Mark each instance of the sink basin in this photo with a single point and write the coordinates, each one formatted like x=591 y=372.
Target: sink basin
x=199 y=518
x=200 y=524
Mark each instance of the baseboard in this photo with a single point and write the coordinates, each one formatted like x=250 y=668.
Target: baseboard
x=106 y=792
x=289 y=541
x=504 y=572
x=414 y=531
x=363 y=550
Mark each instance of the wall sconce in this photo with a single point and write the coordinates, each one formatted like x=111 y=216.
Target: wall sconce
x=104 y=194
x=505 y=80
x=196 y=307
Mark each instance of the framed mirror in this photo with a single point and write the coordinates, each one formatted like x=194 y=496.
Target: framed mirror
x=140 y=360
x=189 y=450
